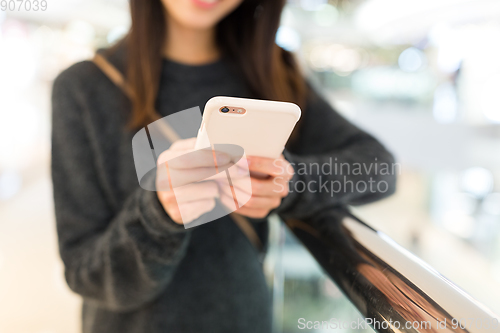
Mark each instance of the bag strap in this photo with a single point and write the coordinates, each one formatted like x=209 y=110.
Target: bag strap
x=112 y=73
x=117 y=78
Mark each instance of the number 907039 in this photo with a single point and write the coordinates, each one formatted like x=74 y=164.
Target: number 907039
x=23 y=5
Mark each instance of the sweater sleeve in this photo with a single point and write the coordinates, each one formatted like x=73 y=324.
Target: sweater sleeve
x=335 y=164
x=119 y=258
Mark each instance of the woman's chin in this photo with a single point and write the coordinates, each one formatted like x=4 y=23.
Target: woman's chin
x=199 y=14
x=197 y=22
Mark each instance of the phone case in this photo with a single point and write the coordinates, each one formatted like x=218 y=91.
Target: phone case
x=262 y=130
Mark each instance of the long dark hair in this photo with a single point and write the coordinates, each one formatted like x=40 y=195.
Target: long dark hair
x=246 y=35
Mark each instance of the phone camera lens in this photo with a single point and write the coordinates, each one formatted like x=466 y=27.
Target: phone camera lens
x=225 y=110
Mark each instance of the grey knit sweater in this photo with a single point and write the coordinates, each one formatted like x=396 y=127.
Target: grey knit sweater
x=136 y=270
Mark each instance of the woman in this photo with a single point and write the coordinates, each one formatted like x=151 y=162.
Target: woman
x=125 y=250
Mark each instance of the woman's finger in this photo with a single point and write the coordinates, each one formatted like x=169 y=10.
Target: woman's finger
x=169 y=155
x=270 y=202
x=244 y=197
x=176 y=159
x=190 y=211
x=196 y=191
x=184 y=212
x=274 y=167
x=275 y=186
x=255 y=213
x=181 y=177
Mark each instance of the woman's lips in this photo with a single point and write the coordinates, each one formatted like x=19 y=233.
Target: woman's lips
x=206 y=3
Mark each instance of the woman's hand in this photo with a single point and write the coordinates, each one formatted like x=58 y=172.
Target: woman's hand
x=269 y=179
x=185 y=167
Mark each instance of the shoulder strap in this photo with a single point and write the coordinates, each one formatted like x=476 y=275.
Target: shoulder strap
x=249 y=231
x=112 y=73
x=117 y=78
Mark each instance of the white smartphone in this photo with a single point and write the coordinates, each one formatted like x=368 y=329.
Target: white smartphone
x=260 y=127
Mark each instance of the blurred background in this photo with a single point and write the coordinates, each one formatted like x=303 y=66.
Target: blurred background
x=423 y=76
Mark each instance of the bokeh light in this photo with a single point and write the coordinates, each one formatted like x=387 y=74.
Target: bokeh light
x=335 y=57
x=2 y=259
x=412 y=60
x=445 y=107
x=288 y=38
x=477 y=181
x=20 y=124
x=116 y=34
x=459 y=224
x=490 y=98
x=491 y=203
x=450 y=46
x=312 y=4
x=17 y=59
x=10 y=185
x=326 y=15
